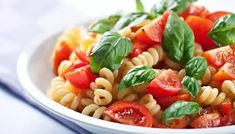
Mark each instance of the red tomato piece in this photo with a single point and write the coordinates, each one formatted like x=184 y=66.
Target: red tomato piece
x=219 y=56
x=167 y=101
x=164 y=85
x=176 y=123
x=227 y=72
x=195 y=10
x=201 y=27
x=216 y=15
x=61 y=53
x=74 y=65
x=84 y=57
x=226 y=110
x=131 y=113
x=138 y=48
x=81 y=77
x=206 y=121
x=152 y=33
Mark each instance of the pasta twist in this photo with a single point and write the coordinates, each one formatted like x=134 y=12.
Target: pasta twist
x=103 y=87
x=171 y=63
x=126 y=32
x=64 y=65
x=73 y=57
x=71 y=37
x=63 y=94
x=198 y=50
x=149 y=102
x=95 y=111
x=210 y=96
x=127 y=94
x=228 y=87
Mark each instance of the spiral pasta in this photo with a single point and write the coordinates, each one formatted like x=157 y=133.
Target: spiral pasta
x=149 y=102
x=64 y=65
x=95 y=111
x=73 y=57
x=171 y=63
x=126 y=32
x=210 y=96
x=198 y=50
x=228 y=87
x=71 y=37
x=127 y=94
x=103 y=87
x=63 y=95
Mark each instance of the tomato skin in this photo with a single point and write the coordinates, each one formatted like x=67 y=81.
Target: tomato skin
x=151 y=34
x=81 y=77
x=216 y=15
x=226 y=110
x=164 y=85
x=227 y=72
x=61 y=52
x=219 y=56
x=138 y=48
x=167 y=101
x=195 y=10
x=84 y=57
x=201 y=27
x=131 y=113
x=74 y=65
x=206 y=121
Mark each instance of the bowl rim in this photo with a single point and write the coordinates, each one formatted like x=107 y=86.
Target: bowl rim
x=45 y=102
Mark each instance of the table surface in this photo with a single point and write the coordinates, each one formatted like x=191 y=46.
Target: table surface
x=23 y=20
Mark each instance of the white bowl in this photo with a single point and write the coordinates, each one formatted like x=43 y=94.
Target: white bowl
x=35 y=73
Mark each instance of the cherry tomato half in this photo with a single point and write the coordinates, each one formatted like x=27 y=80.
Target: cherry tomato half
x=201 y=27
x=216 y=15
x=226 y=110
x=195 y=10
x=131 y=113
x=81 y=77
x=83 y=56
x=206 y=121
x=62 y=52
x=227 y=72
x=152 y=33
x=219 y=56
x=167 y=101
x=164 y=85
x=138 y=48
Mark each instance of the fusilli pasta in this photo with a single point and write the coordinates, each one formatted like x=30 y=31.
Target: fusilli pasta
x=149 y=102
x=171 y=63
x=198 y=50
x=64 y=65
x=127 y=94
x=95 y=111
x=228 y=87
x=63 y=95
x=210 y=96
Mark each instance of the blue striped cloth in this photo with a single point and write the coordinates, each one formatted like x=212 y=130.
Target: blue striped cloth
x=21 y=21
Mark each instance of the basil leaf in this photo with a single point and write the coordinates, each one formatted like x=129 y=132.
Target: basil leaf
x=223 y=31
x=139 y=6
x=104 y=25
x=196 y=67
x=137 y=76
x=177 y=6
x=130 y=20
x=109 y=52
x=178 y=40
x=179 y=109
x=191 y=85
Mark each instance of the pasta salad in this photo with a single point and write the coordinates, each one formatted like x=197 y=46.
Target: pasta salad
x=172 y=67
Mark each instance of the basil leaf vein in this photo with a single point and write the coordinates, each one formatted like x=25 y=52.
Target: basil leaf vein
x=191 y=85
x=137 y=76
x=178 y=40
x=109 y=52
x=179 y=109
x=223 y=31
x=105 y=24
x=196 y=67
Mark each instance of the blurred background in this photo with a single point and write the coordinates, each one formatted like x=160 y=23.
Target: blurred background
x=23 y=21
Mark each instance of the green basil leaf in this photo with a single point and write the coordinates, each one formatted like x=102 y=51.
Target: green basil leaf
x=179 y=109
x=137 y=76
x=196 y=67
x=139 y=6
x=104 y=25
x=223 y=31
x=109 y=52
x=177 y=6
x=130 y=20
x=191 y=85
x=178 y=40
